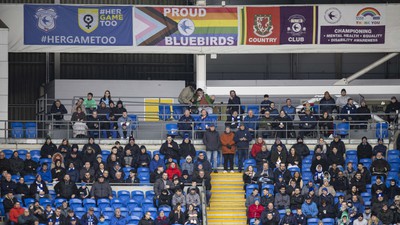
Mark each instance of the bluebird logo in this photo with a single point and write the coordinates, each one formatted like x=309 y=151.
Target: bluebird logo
x=46 y=19
x=186 y=27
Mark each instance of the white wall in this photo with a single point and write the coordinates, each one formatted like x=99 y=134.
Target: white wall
x=3 y=79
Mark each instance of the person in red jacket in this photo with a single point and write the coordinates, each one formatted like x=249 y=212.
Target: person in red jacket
x=15 y=213
x=173 y=170
x=255 y=210
x=257 y=147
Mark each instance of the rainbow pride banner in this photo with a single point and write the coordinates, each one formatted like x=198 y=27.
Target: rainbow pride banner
x=185 y=26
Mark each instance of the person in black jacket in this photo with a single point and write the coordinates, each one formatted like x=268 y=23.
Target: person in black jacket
x=207 y=182
x=58 y=217
x=339 y=144
x=301 y=148
x=334 y=157
x=283 y=124
x=392 y=109
x=48 y=149
x=7 y=185
x=170 y=148
x=30 y=165
x=135 y=150
x=4 y=163
x=187 y=148
x=38 y=188
x=364 y=149
x=326 y=210
x=91 y=143
x=233 y=103
x=364 y=114
x=22 y=189
x=16 y=164
x=176 y=216
x=57 y=112
x=94 y=124
x=143 y=159
x=379 y=166
x=341 y=183
x=66 y=189
x=9 y=201
x=242 y=139
x=185 y=124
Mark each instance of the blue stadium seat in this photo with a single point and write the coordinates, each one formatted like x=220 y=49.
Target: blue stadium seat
x=108 y=211
x=8 y=153
x=270 y=188
x=313 y=221
x=282 y=213
x=250 y=188
x=392 y=174
x=75 y=202
x=177 y=111
x=44 y=202
x=15 y=178
x=166 y=209
x=35 y=152
x=45 y=160
x=124 y=211
x=353 y=158
x=29 y=179
x=102 y=203
x=30 y=130
x=255 y=108
x=2 y=212
x=395 y=166
x=307 y=160
x=22 y=152
x=328 y=221
x=58 y=202
x=116 y=203
x=146 y=204
x=124 y=196
x=105 y=154
x=393 y=152
x=131 y=204
x=143 y=174
x=153 y=211
x=342 y=129
x=164 y=111
x=172 y=129
x=138 y=196
x=382 y=130
x=79 y=212
x=28 y=202
x=97 y=212
x=137 y=212
x=52 y=193
x=249 y=162
x=294 y=169
x=17 y=130
x=338 y=193
x=134 y=121
x=366 y=162
x=306 y=176
x=87 y=203
x=133 y=220
x=366 y=196
x=150 y=194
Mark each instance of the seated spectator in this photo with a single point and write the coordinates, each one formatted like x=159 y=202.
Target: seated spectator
x=293 y=159
x=265 y=175
x=251 y=122
x=64 y=208
x=306 y=188
x=309 y=208
x=178 y=197
x=16 y=164
x=71 y=217
x=252 y=197
x=344 y=220
x=132 y=178
x=101 y=189
x=7 y=184
x=256 y=148
x=322 y=146
x=186 y=148
x=146 y=219
x=192 y=215
x=118 y=110
x=327 y=103
x=266 y=198
x=364 y=149
x=37 y=211
x=203 y=123
x=249 y=176
x=203 y=101
x=281 y=170
x=78 y=115
x=83 y=191
x=89 y=103
x=27 y=218
x=380 y=147
x=273 y=111
x=173 y=170
x=176 y=216
x=341 y=183
x=48 y=149
x=233 y=121
x=348 y=111
x=308 y=124
x=201 y=159
x=283 y=125
x=192 y=198
x=86 y=169
x=65 y=188
x=300 y=217
x=363 y=115
x=359 y=182
x=57 y=111
x=156 y=162
x=349 y=172
x=325 y=123
x=289 y=110
x=95 y=124
x=132 y=146
x=379 y=184
x=89 y=218
x=392 y=191
x=265 y=128
x=156 y=174
x=143 y=159
x=118 y=218
x=297 y=179
x=282 y=199
x=185 y=124
x=202 y=177
x=161 y=219
x=30 y=166
x=45 y=173
x=328 y=186
x=296 y=199
x=270 y=215
x=125 y=125
x=4 y=163
x=326 y=197
x=358 y=203
x=118 y=179
x=265 y=104
x=255 y=209
x=385 y=215
x=22 y=189
x=288 y=218
x=319 y=160
x=360 y=220
x=262 y=157
x=278 y=156
x=58 y=172
x=188 y=165
x=161 y=184
x=365 y=174
x=380 y=166
x=15 y=212
x=334 y=157
x=353 y=190
x=170 y=148
x=186 y=178
x=115 y=169
x=339 y=144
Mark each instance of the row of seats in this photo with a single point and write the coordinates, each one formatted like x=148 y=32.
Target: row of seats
x=311 y=221
x=17 y=130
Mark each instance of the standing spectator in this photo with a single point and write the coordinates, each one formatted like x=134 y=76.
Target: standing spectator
x=185 y=124
x=251 y=122
x=242 y=139
x=342 y=100
x=283 y=125
x=48 y=149
x=186 y=96
x=265 y=104
x=289 y=109
x=89 y=218
x=201 y=159
x=392 y=109
x=380 y=166
x=89 y=103
x=15 y=212
x=325 y=123
x=364 y=114
x=101 y=189
x=124 y=125
x=364 y=149
x=16 y=164
x=106 y=98
x=233 y=103
x=212 y=143
x=327 y=103
x=348 y=111
x=57 y=111
x=202 y=101
x=146 y=219
x=65 y=188
x=170 y=148
x=228 y=148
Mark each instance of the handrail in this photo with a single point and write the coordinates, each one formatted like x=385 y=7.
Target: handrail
x=204 y=203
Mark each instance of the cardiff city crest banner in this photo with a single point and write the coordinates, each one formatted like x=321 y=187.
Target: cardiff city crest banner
x=185 y=26
x=352 y=24
x=78 y=25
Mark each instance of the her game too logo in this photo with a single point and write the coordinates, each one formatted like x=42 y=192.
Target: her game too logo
x=368 y=16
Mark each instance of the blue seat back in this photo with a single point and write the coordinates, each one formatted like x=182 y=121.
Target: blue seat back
x=382 y=130
x=164 y=111
x=177 y=111
x=172 y=129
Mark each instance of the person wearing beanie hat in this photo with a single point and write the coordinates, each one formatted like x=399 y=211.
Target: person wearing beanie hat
x=156 y=162
x=125 y=125
x=255 y=209
x=380 y=147
x=135 y=150
x=188 y=165
x=364 y=114
x=301 y=149
x=186 y=148
x=212 y=143
x=364 y=149
x=309 y=208
x=143 y=159
x=342 y=100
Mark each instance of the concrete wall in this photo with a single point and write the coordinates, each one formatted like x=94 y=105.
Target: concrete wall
x=3 y=79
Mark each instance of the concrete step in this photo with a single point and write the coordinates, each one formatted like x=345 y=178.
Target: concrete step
x=226 y=217
x=229 y=208
x=228 y=196
x=228 y=214
x=227 y=182
x=227 y=200
x=241 y=191
x=228 y=187
x=226 y=222
x=224 y=204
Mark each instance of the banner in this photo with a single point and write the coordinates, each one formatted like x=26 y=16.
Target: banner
x=78 y=25
x=186 y=26
x=261 y=26
x=299 y=25
x=352 y=24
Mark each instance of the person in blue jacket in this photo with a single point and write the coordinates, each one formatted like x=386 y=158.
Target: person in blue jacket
x=309 y=208
x=242 y=139
x=203 y=123
x=156 y=162
x=251 y=122
x=289 y=109
x=348 y=111
x=45 y=173
x=118 y=218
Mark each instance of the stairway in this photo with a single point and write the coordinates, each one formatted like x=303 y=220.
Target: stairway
x=227 y=201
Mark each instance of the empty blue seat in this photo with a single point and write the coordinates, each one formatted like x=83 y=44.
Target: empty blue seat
x=102 y=203
x=147 y=204
x=150 y=194
x=351 y=152
x=105 y=154
x=282 y=213
x=131 y=204
x=108 y=211
x=44 y=201
x=58 y=202
x=15 y=178
x=79 y=211
x=270 y=188
x=75 y=202
x=35 y=152
x=395 y=166
x=294 y=169
x=164 y=111
x=87 y=203
x=177 y=111
x=172 y=129
x=8 y=153
x=124 y=196
x=328 y=221
x=28 y=201
x=45 y=160
x=30 y=130
x=393 y=152
x=143 y=174
x=342 y=129
x=137 y=212
x=382 y=130
x=133 y=220
x=124 y=211
x=134 y=119
x=17 y=130
x=116 y=203
x=366 y=196
x=29 y=179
